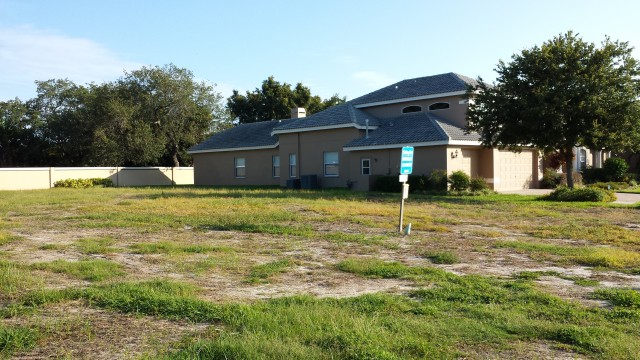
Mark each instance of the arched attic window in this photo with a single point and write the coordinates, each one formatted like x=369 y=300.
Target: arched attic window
x=412 y=108
x=439 y=106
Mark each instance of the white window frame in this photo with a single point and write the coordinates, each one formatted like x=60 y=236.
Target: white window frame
x=335 y=164
x=275 y=164
x=293 y=165
x=237 y=166
x=368 y=167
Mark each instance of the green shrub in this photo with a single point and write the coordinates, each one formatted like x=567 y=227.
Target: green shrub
x=550 y=179
x=478 y=184
x=615 y=169
x=459 y=181
x=577 y=179
x=437 y=180
x=610 y=185
x=593 y=175
x=591 y=194
x=83 y=183
x=387 y=184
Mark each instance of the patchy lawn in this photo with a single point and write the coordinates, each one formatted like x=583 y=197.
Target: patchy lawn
x=267 y=273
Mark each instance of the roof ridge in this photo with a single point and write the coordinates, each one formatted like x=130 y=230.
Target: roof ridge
x=436 y=122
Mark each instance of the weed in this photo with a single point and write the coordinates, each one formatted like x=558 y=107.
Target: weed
x=86 y=269
x=261 y=273
x=16 y=339
x=442 y=257
x=95 y=245
x=168 y=247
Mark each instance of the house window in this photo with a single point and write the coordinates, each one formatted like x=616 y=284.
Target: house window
x=412 y=108
x=293 y=165
x=240 y=167
x=583 y=160
x=366 y=166
x=331 y=163
x=275 y=164
x=439 y=106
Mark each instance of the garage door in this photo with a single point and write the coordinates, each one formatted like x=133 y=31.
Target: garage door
x=515 y=170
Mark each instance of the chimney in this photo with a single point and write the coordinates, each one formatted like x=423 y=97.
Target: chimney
x=298 y=112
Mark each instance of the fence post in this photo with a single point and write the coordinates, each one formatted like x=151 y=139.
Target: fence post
x=51 y=169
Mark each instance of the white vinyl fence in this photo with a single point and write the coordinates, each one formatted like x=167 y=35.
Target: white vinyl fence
x=45 y=177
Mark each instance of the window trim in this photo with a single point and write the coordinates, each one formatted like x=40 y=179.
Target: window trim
x=362 y=167
x=439 y=102
x=236 y=166
x=293 y=165
x=325 y=163
x=273 y=166
x=413 y=108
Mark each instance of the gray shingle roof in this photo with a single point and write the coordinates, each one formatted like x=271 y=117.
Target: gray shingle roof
x=428 y=85
x=455 y=132
x=336 y=115
x=242 y=136
x=411 y=129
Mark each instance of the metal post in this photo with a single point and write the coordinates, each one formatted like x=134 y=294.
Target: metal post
x=401 y=213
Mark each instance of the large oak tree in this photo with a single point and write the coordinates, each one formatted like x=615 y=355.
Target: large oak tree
x=274 y=100
x=563 y=94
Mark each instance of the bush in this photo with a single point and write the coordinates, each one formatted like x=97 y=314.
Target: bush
x=83 y=183
x=550 y=179
x=437 y=180
x=593 y=175
x=478 y=184
x=577 y=179
x=459 y=180
x=591 y=194
x=610 y=185
x=615 y=169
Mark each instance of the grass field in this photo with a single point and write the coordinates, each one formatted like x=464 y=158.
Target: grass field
x=195 y=273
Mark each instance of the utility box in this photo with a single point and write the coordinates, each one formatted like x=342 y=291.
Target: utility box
x=309 y=181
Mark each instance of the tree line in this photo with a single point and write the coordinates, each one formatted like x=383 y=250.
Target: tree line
x=148 y=117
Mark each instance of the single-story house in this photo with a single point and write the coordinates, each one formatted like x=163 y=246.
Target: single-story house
x=347 y=144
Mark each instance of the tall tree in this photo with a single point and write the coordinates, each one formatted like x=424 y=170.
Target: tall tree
x=170 y=108
x=19 y=141
x=563 y=94
x=274 y=100
x=60 y=105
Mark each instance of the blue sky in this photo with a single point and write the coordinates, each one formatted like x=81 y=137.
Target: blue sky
x=344 y=47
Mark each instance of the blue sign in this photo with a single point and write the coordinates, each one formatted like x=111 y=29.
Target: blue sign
x=406 y=160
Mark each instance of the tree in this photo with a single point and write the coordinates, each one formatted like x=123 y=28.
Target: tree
x=563 y=94
x=19 y=144
x=66 y=129
x=274 y=100
x=164 y=111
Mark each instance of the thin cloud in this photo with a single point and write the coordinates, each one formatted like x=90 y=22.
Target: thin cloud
x=372 y=79
x=28 y=54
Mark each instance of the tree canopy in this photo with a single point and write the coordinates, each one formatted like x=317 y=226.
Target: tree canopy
x=274 y=100
x=148 y=117
x=563 y=94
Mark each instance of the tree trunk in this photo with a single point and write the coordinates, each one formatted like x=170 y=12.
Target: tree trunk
x=174 y=159
x=568 y=158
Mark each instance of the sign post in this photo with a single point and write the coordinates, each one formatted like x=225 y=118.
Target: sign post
x=406 y=168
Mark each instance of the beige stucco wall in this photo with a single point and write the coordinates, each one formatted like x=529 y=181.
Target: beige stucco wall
x=218 y=168
x=310 y=147
x=456 y=112
x=387 y=162
x=44 y=178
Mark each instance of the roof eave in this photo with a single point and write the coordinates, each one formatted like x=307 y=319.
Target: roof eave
x=415 y=98
x=235 y=149
x=419 y=144
x=325 y=127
